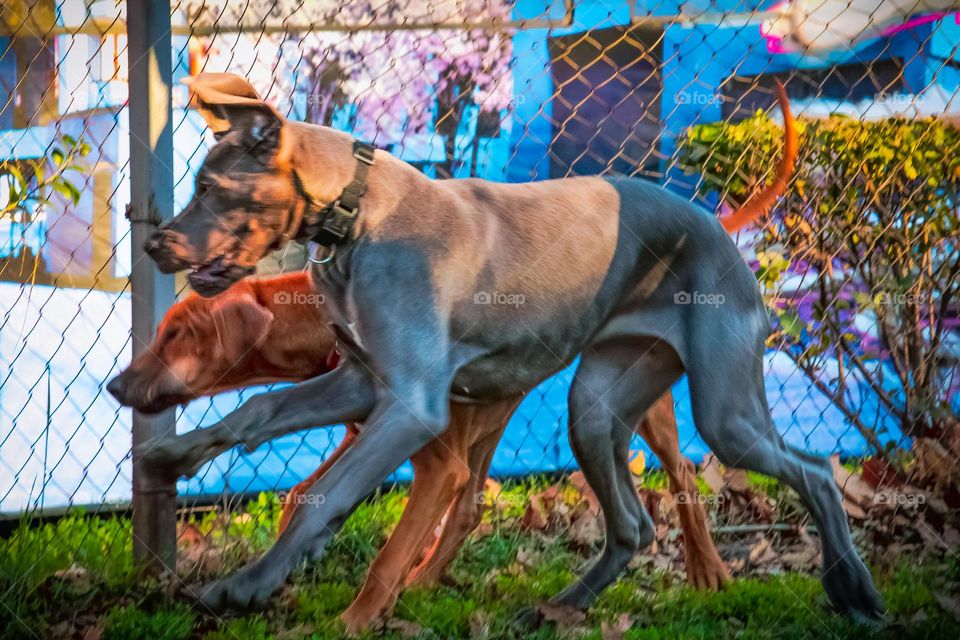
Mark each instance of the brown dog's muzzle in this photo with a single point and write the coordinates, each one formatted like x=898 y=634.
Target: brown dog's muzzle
x=141 y=390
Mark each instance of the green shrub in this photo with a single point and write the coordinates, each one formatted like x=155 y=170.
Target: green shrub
x=869 y=225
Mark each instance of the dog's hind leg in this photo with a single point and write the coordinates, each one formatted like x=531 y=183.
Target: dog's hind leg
x=705 y=568
x=615 y=384
x=440 y=473
x=731 y=414
x=467 y=509
x=464 y=516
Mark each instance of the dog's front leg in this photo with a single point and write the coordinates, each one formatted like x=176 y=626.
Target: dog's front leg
x=392 y=433
x=406 y=344
x=346 y=394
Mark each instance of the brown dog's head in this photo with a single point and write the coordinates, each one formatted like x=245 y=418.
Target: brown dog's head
x=202 y=347
x=245 y=196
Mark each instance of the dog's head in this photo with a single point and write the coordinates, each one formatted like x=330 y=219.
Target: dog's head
x=202 y=347
x=245 y=195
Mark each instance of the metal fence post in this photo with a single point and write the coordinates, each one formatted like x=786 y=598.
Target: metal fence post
x=151 y=200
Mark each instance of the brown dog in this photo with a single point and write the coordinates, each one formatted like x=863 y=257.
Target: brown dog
x=273 y=330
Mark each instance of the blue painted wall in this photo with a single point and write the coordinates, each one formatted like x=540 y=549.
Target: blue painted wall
x=696 y=62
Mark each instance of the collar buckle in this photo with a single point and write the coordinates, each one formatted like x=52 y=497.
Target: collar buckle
x=363 y=153
x=336 y=224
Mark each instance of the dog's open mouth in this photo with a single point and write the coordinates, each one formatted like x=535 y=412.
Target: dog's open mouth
x=216 y=276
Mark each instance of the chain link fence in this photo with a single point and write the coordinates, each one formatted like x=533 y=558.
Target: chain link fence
x=858 y=261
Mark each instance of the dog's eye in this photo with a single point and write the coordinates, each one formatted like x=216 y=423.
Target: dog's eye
x=173 y=333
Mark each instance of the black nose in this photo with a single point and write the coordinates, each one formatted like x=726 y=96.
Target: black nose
x=116 y=387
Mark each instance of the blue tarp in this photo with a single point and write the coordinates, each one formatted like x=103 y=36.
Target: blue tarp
x=63 y=440
x=536 y=440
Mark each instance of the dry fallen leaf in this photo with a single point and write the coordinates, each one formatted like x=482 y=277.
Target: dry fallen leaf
x=858 y=495
x=712 y=473
x=638 y=462
x=188 y=534
x=196 y=552
x=935 y=463
x=650 y=498
x=877 y=472
x=617 y=629
x=853 y=510
x=405 y=628
x=803 y=559
x=930 y=536
x=535 y=515
x=527 y=557
x=803 y=556
x=736 y=480
x=579 y=482
x=75 y=575
x=762 y=551
x=585 y=532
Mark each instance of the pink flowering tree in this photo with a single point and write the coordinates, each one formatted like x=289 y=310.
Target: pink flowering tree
x=391 y=79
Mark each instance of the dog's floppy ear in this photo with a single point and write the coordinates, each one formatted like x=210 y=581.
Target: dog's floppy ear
x=228 y=102
x=242 y=323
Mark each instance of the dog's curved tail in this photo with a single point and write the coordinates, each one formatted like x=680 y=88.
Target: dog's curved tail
x=760 y=202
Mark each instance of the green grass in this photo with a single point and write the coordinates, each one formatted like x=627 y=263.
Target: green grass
x=133 y=623
x=493 y=578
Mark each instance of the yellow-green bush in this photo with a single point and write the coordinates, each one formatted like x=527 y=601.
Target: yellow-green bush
x=867 y=232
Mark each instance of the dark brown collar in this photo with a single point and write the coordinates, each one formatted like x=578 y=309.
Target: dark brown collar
x=332 y=224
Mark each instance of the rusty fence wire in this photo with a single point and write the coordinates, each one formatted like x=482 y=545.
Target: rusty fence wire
x=858 y=260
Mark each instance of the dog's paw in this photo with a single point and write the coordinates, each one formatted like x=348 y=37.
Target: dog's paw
x=168 y=457
x=234 y=593
x=526 y=620
x=565 y=616
x=356 y=619
x=851 y=591
x=706 y=572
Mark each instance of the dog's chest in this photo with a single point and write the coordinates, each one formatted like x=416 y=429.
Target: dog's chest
x=330 y=281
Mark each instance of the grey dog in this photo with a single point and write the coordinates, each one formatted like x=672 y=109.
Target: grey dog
x=473 y=290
